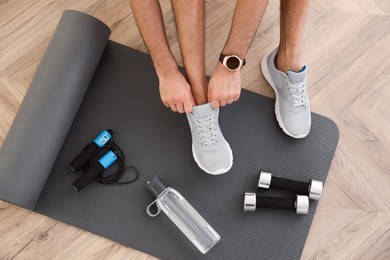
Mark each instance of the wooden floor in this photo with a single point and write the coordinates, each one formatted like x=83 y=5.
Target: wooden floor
x=347 y=50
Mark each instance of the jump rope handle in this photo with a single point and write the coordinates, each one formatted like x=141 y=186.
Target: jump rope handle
x=88 y=152
x=106 y=161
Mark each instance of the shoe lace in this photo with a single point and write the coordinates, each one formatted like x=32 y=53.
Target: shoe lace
x=206 y=128
x=297 y=92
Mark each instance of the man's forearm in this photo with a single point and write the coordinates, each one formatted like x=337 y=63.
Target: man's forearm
x=189 y=15
x=150 y=23
x=246 y=20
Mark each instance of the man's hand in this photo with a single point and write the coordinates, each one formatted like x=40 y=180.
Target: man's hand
x=176 y=93
x=224 y=86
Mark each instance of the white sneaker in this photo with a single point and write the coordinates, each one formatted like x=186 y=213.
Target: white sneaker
x=210 y=150
x=292 y=106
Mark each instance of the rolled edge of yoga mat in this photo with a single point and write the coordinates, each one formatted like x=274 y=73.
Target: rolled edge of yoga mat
x=49 y=106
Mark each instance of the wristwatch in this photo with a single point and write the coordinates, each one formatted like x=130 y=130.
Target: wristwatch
x=231 y=62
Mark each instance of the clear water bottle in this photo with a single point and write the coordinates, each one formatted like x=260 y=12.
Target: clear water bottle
x=185 y=217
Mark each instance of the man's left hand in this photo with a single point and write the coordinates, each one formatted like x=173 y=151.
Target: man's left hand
x=224 y=86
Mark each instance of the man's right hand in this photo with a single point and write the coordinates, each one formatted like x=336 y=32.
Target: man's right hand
x=176 y=93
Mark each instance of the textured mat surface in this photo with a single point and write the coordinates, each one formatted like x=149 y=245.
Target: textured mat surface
x=123 y=96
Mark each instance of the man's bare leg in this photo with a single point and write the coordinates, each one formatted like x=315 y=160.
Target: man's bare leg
x=292 y=21
x=283 y=70
x=190 y=23
x=175 y=91
x=225 y=86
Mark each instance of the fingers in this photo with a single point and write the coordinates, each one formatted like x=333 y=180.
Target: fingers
x=222 y=98
x=173 y=107
x=237 y=95
x=181 y=104
x=222 y=102
x=187 y=107
x=184 y=105
x=224 y=87
x=234 y=98
x=180 y=108
x=189 y=104
x=213 y=100
x=215 y=103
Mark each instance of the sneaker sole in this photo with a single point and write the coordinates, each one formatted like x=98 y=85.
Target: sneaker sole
x=219 y=171
x=267 y=76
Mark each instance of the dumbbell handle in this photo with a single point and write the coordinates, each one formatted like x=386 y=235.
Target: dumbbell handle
x=313 y=189
x=275 y=203
x=253 y=202
x=286 y=184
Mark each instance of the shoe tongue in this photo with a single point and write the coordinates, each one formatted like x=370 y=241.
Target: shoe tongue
x=202 y=111
x=297 y=76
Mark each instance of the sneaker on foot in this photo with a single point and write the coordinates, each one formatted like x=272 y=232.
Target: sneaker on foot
x=292 y=106
x=211 y=151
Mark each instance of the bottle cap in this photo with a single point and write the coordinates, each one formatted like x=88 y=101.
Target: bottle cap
x=157 y=185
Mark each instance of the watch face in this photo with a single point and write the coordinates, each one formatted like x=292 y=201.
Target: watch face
x=233 y=63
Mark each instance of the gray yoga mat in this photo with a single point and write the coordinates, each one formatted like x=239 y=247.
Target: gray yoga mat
x=49 y=107
x=123 y=95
